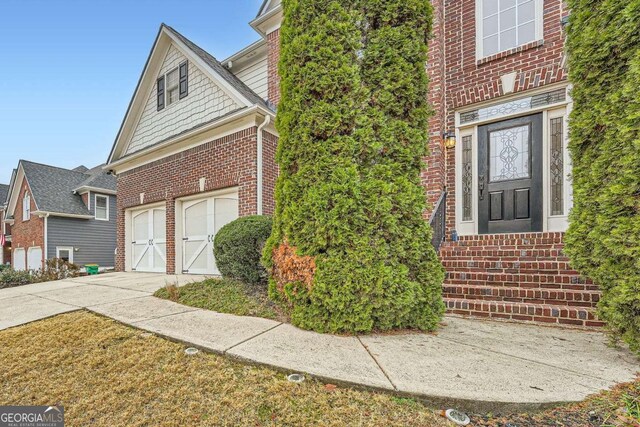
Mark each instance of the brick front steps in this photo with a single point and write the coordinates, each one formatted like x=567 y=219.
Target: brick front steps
x=519 y=277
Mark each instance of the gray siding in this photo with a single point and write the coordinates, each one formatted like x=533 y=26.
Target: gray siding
x=95 y=241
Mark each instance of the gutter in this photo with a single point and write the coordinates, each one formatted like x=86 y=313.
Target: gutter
x=210 y=126
x=259 y=162
x=44 y=214
x=45 y=250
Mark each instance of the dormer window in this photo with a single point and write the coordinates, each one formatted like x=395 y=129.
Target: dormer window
x=173 y=86
x=26 y=208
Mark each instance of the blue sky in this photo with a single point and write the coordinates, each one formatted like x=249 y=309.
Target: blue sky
x=69 y=68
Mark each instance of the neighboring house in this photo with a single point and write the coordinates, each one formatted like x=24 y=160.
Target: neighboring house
x=61 y=213
x=199 y=134
x=5 y=229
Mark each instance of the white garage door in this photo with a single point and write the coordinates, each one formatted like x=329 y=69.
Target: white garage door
x=201 y=221
x=19 y=259
x=34 y=258
x=149 y=240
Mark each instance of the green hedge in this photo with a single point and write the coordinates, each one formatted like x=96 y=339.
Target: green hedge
x=238 y=247
x=350 y=249
x=603 y=240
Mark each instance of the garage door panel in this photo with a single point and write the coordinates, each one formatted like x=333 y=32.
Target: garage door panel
x=196 y=221
x=149 y=248
x=159 y=224
x=141 y=226
x=19 y=259
x=34 y=258
x=226 y=211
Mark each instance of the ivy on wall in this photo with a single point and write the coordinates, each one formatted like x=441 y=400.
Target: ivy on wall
x=603 y=240
x=350 y=250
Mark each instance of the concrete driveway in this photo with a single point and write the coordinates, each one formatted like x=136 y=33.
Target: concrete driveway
x=471 y=364
x=25 y=304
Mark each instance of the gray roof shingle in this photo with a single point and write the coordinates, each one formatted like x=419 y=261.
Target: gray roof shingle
x=53 y=187
x=4 y=192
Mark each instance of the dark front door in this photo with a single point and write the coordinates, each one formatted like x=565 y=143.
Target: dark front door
x=510 y=176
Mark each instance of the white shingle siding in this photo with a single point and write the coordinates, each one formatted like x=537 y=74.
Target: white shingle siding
x=255 y=76
x=205 y=102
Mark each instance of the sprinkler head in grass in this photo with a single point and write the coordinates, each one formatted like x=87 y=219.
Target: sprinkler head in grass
x=296 y=378
x=191 y=351
x=457 y=417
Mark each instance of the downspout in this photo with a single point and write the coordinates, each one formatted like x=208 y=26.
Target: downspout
x=45 y=251
x=259 y=165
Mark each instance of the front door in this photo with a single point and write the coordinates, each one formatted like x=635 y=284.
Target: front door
x=510 y=176
x=202 y=219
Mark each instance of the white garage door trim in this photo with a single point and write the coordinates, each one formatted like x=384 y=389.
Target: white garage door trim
x=148 y=241
x=200 y=220
x=19 y=259
x=34 y=258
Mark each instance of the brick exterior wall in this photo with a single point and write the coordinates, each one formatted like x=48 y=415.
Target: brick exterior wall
x=273 y=57
x=269 y=172
x=5 y=256
x=226 y=162
x=26 y=234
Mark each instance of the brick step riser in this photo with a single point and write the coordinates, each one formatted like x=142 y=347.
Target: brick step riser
x=508 y=265
x=584 y=301
x=566 y=316
x=517 y=278
x=524 y=285
x=499 y=243
x=504 y=253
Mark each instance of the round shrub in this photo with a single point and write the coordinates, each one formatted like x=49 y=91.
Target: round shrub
x=238 y=249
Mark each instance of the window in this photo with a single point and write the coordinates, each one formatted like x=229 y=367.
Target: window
x=26 y=208
x=506 y=24
x=557 y=165
x=102 y=208
x=65 y=254
x=172 y=87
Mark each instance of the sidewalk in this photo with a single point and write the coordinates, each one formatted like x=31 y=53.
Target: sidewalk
x=470 y=364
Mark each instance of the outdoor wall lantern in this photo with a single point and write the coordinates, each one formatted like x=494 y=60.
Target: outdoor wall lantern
x=449 y=139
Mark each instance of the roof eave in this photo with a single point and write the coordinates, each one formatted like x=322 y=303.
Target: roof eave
x=86 y=188
x=62 y=214
x=261 y=23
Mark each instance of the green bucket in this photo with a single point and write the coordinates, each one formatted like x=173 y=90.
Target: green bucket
x=91 y=269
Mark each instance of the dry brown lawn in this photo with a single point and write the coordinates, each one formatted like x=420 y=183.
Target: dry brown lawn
x=107 y=374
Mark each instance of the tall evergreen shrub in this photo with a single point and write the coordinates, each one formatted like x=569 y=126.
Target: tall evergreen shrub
x=350 y=249
x=603 y=240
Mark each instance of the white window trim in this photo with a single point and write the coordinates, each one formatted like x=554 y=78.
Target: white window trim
x=26 y=207
x=65 y=248
x=167 y=104
x=95 y=207
x=539 y=17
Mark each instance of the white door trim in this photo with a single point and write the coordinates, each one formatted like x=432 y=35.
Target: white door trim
x=550 y=222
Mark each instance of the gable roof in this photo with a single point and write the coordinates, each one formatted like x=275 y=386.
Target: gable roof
x=4 y=193
x=238 y=84
x=234 y=87
x=53 y=188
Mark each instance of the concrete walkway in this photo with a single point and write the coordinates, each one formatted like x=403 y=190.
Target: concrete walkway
x=470 y=364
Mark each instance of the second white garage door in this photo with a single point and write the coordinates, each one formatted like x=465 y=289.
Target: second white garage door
x=201 y=221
